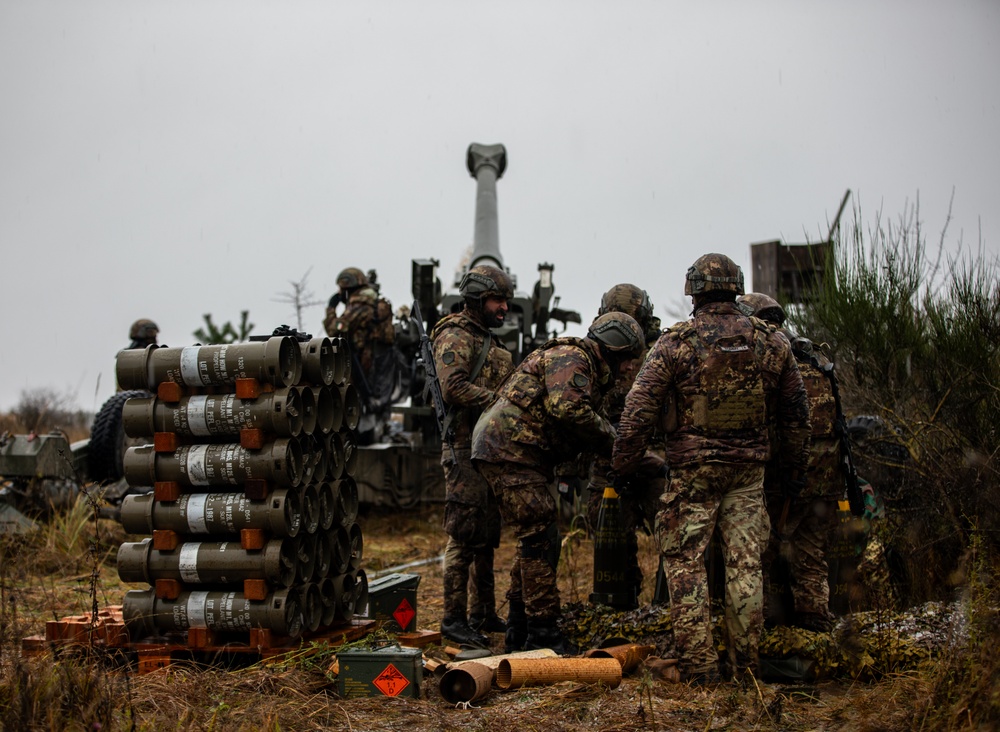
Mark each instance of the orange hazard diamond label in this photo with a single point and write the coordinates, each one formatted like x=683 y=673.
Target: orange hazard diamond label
x=390 y=682
x=404 y=614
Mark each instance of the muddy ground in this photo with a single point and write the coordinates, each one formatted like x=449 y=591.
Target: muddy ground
x=300 y=692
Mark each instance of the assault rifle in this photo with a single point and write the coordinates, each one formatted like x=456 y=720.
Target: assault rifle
x=855 y=498
x=425 y=355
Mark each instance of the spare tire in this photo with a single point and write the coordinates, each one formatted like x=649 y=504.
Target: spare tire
x=107 y=438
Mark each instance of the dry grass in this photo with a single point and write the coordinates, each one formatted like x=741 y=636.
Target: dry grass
x=96 y=692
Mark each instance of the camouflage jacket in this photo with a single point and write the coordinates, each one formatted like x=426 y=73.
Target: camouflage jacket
x=711 y=383
x=458 y=340
x=547 y=411
x=366 y=320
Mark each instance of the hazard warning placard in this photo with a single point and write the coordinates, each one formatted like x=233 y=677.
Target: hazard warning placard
x=404 y=614
x=391 y=682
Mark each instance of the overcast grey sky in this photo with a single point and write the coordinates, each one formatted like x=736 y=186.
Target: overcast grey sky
x=168 y=159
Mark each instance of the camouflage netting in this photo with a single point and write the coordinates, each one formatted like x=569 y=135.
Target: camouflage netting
x=865 y=645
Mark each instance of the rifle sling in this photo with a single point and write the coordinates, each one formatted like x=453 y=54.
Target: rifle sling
x=480 y=362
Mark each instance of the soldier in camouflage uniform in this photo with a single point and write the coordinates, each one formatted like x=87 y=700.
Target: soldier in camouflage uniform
x=640 y=502
x=547 y=413
x=143 y=333
x=366 y=320
x=709 y=383
x=366 y=324
x=471 y=362
x=810 y=517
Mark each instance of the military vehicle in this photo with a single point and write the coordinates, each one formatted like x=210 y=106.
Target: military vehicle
x=39 y=474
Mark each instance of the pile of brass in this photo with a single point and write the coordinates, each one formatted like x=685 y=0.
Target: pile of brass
x=258 y=529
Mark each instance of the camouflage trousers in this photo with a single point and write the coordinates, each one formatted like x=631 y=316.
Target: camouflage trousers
x=698 y=500
x=468 y=581
x=472 y=522
x=529 y=509
x=803 y=540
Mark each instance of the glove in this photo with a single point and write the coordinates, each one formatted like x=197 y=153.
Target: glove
x=622 y=484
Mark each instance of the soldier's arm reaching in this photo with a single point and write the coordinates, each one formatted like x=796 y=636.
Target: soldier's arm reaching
x=569 y=390
x=643 y=406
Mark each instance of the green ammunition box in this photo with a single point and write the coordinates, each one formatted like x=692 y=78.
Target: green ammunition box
x=389 y=671
x=392 y=602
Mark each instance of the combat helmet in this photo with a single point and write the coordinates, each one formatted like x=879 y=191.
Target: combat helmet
x=144 y=330
x=713 y=273
x=617 y=332
x=762 y=306
x=351 y=279
x=483 y=281
x=628 y=299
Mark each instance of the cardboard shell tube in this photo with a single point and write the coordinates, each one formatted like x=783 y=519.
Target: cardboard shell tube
x=513 y=673
x=466 y=683
x=629 y=655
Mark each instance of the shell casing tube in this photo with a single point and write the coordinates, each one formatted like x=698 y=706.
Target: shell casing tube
x=309 y=415
x=318 y=452
x=327 y=505
x=342 y=367
x=278 y=412
x=276 y=361
x=279 y=462
x=306 y=565
x=311 y=603
x=347 y=501
x=209 y=562
x=345 y=608
x=310 y=508
x=337 y=402
x=334 y=456
x=324 y=556
x=319 y=360
x=340 y=544
x=325 y=406
x=357 y=547
x=351 y=399
x=280 y=514
x=307 y=448
x=350 y=452
x=145 y=614
x=330 y=593
x=361 y=592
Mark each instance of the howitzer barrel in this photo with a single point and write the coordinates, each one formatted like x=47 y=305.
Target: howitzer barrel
x=214 y=513
x=486 y=164
x=278 y=412
x=279 y=462
x=209 y=562
x=146 y=614
x=276 y=361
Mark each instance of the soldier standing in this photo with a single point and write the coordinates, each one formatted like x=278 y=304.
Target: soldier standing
x=710 y=383
x=640 y=502
x=470 y=362
x=366 y=323
x=547 y=413
x=803 y=536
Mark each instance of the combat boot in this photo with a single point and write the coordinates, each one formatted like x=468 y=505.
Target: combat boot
x=490 y=623
x=458 y=630
x=545 y=633
x=517 y=627
x=816 y=622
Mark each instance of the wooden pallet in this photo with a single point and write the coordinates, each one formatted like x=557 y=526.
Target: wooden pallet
x=197 y=644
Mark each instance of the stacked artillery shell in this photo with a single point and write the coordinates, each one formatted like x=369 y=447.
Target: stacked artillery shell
x=254 y=505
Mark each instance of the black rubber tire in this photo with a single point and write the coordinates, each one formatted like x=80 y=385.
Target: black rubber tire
x=107 y=439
